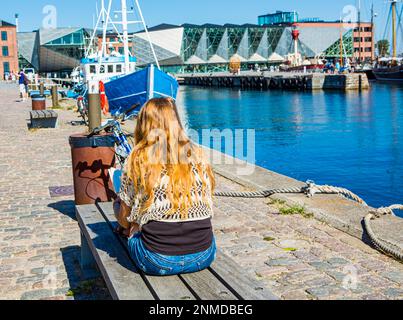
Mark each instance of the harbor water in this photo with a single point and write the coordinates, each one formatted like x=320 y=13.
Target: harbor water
x=352 y=140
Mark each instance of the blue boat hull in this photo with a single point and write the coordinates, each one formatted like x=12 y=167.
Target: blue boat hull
x=137 y=88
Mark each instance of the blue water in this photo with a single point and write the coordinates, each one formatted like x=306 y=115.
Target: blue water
x=353 y=140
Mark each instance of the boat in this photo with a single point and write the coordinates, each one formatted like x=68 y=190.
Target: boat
x=138 y=87
x=391 y=68
x=115 y=76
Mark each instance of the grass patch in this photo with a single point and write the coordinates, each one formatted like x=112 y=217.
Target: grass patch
x=268 y=239
x=85 y=287
x=290 y=249
x=286 y=211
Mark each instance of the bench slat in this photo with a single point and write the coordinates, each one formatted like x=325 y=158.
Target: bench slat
x=116 y=267
x=249 y=289
x=166 y=288
x=207 y=286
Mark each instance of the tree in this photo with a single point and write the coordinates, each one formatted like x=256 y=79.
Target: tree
x=383 y=47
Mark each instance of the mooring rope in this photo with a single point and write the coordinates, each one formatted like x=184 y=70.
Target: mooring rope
x=310 y=189
x=381 y=245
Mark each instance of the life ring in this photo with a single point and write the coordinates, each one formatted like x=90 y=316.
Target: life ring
x=103 y=98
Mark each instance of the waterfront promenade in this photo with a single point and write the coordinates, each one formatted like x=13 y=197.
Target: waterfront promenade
x=296 y=257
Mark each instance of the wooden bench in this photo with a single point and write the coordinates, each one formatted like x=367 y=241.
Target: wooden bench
x=43 y=119
x=105 y=252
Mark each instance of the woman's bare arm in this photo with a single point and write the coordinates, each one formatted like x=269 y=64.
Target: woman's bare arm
x=122 y=213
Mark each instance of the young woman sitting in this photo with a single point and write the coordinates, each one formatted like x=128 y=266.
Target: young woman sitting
x=165 y=203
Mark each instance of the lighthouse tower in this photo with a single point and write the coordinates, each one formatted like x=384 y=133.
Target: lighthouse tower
x=295 y=58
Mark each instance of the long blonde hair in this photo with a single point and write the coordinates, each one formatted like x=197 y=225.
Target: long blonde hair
x=162 y=146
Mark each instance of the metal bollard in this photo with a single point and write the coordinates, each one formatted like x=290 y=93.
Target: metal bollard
x=55 y=97
x=94 y=110
x=42 y=89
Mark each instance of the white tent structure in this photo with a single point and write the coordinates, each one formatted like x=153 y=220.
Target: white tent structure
x=275 y=58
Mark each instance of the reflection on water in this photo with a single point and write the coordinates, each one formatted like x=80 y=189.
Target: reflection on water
x=353 y=140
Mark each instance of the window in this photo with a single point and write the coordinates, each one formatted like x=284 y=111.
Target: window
x=6 y=67
x=77 y=37
x=93 y=69
x=102 y=68
x=110 y=68
x=121 y=50
x=368 y=49
x=5 y=51
x=4 y=36
x=118 y=68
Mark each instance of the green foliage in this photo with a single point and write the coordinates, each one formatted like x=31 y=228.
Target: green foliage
x=285 y=211
x=85 y=287
x=268 y=239
x=383 y=47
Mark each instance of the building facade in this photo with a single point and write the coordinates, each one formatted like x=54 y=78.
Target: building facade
x=9 y=49
x=209 y=47
x=358 y=39
x=53 y=50
x=201 y=48
x=114 y=42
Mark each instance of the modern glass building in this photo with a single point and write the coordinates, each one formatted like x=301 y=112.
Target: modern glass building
x=209 y=47
x=280 y=17
x=198 y=48
x=52 y=50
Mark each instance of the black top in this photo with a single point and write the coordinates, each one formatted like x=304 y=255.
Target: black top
x=177 y=238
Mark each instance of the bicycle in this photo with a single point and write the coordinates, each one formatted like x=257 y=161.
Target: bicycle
x=123 y=147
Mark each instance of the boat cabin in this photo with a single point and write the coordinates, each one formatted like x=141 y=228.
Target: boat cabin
x=104 y=69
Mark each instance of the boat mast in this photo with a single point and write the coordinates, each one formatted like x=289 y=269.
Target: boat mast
x=104 y=27
x=359 y=29
x=125 y=36
x=341 y=43
x=373 y=32
x=394 y=28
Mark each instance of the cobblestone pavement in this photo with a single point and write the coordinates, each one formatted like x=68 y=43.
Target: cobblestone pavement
x=296 y=257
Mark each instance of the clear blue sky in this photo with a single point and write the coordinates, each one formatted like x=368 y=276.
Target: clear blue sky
x=80 y=12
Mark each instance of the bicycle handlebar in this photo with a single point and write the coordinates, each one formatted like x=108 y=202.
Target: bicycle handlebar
x=112 y=123
x=97 y=130
x=134 y=107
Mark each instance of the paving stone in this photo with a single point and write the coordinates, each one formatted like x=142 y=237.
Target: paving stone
x=394 y=276
x=323 y=266
x=296 y=295
x=338 y=261
x=37 y=294
x=281 y=262
x=394 y=293
x=326 y=291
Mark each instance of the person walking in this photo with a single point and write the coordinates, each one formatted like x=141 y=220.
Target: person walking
x=23 y=83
